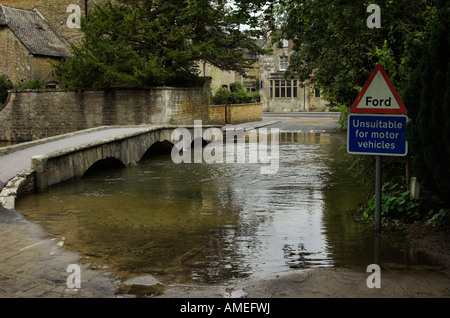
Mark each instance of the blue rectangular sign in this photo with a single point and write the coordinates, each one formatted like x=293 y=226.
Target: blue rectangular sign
x=377 y=135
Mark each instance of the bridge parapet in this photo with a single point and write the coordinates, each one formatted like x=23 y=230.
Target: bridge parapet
x=71 y=163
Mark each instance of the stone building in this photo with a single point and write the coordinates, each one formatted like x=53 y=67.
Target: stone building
x=44 y=29
x=29 y=45
x=280 y=94
x=63 y=15
x=221 y=78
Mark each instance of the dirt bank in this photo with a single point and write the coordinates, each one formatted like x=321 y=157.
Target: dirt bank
x=432 y=241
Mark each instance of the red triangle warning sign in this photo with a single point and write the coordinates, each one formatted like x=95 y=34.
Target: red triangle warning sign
x=378 y=95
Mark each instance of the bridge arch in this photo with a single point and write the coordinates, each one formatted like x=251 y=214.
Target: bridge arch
x=104 y=164
x=158 y=147
x=200 y=141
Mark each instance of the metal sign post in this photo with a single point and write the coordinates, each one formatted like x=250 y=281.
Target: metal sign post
x=378 y=187
x=372 y=132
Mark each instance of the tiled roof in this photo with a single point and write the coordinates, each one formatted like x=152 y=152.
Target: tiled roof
x=34 y=32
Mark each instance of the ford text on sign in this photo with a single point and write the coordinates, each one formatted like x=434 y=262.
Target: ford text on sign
x=377 y=134
x=378 y=95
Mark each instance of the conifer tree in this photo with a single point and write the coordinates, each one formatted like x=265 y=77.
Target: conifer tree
x=427 y=100
x=144 y=43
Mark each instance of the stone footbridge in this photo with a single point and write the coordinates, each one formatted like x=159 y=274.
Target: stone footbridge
x=34 y=166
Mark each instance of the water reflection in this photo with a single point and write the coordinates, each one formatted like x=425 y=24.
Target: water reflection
x=211 y=223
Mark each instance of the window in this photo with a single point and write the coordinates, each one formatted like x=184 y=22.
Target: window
x=283 y=89
x=284 y=62
x=250 y=86
x=277 y=89
x=51 y=85
x=316 y=92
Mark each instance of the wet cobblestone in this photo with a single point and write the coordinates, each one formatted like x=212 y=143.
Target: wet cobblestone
x=34 y=265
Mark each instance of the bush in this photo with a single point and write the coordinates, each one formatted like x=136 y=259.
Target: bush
x=236 y=86
x=5 y=84
x=397 y=204
x=256 y=96
x=343 y=120
x=31 y=83
x=237 y=94
x=439 y=219
x=222 y=96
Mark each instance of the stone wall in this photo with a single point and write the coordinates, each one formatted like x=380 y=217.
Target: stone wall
x=217 y=114
x=36 y=114
x=235 y=113
x=317 y=103
x=22 y=184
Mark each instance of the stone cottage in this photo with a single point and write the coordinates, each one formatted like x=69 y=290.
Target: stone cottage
x=29 y=45
x=63 y=15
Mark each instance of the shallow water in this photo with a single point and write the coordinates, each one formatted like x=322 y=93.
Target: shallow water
x=212 y=223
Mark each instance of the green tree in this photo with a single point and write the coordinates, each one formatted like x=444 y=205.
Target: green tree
x=5 y=85
x=335 y=46
x=427 y=98
x=135 y=43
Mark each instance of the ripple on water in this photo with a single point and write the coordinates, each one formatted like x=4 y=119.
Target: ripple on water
x=211 y=223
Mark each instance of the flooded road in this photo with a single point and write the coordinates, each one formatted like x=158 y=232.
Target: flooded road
x=215 y=223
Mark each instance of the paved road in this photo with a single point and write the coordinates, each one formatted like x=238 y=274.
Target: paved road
x=295 y=122
x=302 y=114
x=304 y=122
